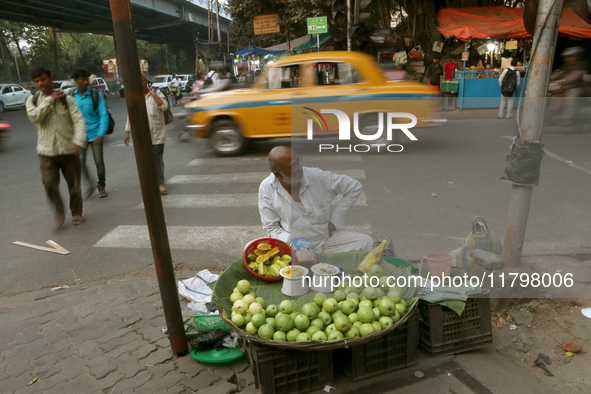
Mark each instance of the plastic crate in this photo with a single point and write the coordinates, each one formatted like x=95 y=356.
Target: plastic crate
x=207 y=323
x=443 y=332
x=390 y=352
x=288 y=371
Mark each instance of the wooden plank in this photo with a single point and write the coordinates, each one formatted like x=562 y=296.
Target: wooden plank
x=43 y=248
x=56 y=246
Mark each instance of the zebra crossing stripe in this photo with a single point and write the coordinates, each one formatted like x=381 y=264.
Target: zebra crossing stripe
x=225 y=200
x=240 y=161
x=248 y=177
x=211 y=238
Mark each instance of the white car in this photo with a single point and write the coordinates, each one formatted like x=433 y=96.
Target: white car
x=66 y=86
x=186 y=82
x=162 y=82
x=13 y=96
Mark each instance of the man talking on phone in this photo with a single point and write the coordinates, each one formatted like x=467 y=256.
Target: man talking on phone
x=156 y=105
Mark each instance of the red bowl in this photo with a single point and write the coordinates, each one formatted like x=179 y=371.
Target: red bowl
x=275 y=243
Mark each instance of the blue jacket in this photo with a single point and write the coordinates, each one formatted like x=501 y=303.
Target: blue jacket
x=97 y=122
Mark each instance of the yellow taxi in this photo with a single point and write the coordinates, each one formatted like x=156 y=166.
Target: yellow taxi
x=290 y=97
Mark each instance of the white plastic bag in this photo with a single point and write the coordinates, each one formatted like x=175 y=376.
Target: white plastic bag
x=196 y=288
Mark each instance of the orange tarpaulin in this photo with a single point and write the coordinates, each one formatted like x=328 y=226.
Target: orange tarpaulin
x=501 y=22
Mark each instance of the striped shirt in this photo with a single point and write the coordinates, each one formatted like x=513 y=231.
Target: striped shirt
x=280 y=214
x=57 y=126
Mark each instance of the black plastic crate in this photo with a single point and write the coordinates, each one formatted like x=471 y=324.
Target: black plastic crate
x=443 y=332
x=288 y=371
x=392 y=351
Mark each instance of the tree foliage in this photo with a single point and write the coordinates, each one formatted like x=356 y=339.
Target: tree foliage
x=292 y=14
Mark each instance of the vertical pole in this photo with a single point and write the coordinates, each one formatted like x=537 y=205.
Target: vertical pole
x=464 y=79
x=348 y=25
x=217 y=3
x=318 y=41
x=288 y=43
x=18 y=73
x=53 y=35
x=142 y=145
x=166 y=55
x=531 y=124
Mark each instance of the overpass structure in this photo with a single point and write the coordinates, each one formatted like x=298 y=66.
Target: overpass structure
x=155 y=21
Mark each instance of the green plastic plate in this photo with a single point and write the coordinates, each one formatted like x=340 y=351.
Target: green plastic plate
x=212 y=356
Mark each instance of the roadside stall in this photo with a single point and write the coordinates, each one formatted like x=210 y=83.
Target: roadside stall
x=298 y=332
x=488 y=33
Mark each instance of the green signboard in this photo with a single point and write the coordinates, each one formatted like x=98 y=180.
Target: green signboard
x=317 y=25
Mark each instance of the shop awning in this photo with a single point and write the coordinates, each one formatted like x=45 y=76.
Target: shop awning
x=501 y=22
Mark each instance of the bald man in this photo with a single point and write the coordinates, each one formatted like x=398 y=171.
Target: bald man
x=296 y=198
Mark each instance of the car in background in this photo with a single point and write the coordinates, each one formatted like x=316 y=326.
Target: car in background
x=351 y=82
x=162 y=82
x=100 y=85
x=12 y=95
x=187 y=81
x=65 y=86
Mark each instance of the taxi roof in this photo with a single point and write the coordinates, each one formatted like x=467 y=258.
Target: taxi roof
x=323 y=56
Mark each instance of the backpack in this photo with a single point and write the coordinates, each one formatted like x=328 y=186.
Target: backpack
x=95 y=100
x=168 y=117
x=208 y=80
x=509 y=83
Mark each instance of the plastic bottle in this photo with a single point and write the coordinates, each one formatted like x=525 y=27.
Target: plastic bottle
x=372 y=258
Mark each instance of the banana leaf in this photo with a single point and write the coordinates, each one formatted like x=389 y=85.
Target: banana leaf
x=271 y=291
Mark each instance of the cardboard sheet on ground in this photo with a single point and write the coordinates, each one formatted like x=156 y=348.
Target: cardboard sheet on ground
x=271 y=291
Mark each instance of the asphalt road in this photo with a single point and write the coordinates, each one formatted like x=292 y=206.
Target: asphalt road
x=423 y=198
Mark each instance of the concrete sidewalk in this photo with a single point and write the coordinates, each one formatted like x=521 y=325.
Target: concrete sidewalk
x=106 y=337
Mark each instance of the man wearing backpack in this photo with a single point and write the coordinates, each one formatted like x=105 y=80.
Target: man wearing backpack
x=96 y=116
x=509 y=81
x=61 y=136
x=211 y=79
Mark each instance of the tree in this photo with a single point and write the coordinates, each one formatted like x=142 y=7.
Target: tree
x=291 y=13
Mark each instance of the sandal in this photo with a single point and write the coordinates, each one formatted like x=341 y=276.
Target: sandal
x=77 y=220
x=103 y=193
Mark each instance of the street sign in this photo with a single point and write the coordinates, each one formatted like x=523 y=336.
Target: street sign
x=265 y=24
x=317 y=25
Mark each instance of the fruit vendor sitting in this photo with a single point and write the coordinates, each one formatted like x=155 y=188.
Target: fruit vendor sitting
x=296 y=197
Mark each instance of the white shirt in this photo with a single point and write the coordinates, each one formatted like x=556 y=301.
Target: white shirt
x=280 y=214
x=155 y=118
x=176 y=82
x=505 y=73
x=214 y=77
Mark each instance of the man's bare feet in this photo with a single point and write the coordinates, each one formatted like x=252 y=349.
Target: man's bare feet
x=58 y=221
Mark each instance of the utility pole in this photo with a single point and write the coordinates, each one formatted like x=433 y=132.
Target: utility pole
x=217 y=3
x=129 y=63
x=531 y=123
x=349 y=25
x=53 y=35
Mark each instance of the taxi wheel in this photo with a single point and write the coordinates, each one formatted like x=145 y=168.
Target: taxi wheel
x=225 y=138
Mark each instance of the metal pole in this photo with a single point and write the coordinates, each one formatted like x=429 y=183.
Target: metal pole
x=53 y=35
x=318 y=41
x=142 y=144
x=349 y=25
x=288 y=43
x=531 y=123
x=17 y=70
x=217 y=3
x=464 y=78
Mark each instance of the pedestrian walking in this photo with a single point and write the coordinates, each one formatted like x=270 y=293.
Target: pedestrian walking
x=156 y=105
x=96 y=116
x=61 y=136
x=509 y=81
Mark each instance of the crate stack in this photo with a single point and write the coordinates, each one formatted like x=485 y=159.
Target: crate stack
x=443 y=332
